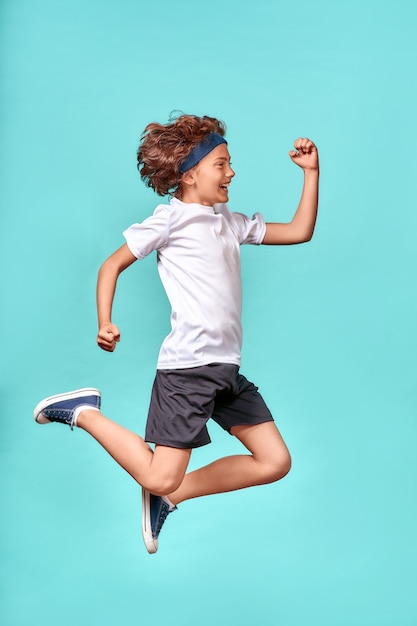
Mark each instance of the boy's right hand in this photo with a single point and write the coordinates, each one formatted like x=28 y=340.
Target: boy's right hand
x=108 y=336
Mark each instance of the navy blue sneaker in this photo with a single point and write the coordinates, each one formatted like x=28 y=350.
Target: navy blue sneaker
x=62 y=407
x=154 y=513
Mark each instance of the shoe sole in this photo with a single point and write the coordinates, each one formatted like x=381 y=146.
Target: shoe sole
x=150 y=543
x=43 y=404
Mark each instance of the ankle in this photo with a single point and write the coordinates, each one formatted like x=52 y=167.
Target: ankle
x=83 y=414
x=170 y=499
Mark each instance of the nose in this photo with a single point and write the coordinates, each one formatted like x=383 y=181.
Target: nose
x=230 y=173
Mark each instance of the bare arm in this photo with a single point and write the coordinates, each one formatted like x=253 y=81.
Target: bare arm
x=108 y=333
x=301 y=227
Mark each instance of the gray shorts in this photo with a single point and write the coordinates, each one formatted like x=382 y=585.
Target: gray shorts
x=184 y=400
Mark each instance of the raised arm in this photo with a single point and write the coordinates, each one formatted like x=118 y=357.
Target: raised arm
x=108 y=333
x=301 y=227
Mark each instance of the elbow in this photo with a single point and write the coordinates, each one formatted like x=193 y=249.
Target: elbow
x=305 y=230
x=109 y=267
x=307 y=233
x=308 y=237
x=104 y=267
x=303 y=233
x=304 y=237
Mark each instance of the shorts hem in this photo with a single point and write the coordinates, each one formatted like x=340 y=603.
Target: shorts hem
x=179 y=445
x=263 y=420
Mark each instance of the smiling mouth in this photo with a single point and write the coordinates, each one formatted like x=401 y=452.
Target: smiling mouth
x=225 y=186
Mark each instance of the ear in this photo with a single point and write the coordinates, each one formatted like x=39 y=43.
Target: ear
x=189 y=177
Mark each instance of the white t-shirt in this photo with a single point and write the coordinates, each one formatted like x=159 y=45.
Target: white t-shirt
x=199 y=264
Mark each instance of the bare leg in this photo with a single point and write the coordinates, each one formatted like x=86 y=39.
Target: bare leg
x=159 y=472
x=269 y=461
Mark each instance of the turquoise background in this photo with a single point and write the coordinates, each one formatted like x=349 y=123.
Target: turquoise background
x=329 y=327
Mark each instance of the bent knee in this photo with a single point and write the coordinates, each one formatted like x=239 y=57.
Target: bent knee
x=162 y=487
x=285 y=465
x=278 y=468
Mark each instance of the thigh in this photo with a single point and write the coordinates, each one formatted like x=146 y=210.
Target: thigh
x=168 y=467
x=264 y=441
x=181 y=404
x=240 y=405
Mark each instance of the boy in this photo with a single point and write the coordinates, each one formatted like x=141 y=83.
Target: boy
x=197 y=239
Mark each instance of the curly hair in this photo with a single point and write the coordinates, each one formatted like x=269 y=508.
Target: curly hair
x=163 y=147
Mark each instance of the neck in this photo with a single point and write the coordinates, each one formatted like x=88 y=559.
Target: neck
x=190 y=196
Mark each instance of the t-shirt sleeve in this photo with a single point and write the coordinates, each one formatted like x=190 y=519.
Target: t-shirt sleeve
x=250 y=230
x=149 y=235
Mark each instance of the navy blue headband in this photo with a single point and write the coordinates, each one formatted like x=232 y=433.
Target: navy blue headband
x=201 y=150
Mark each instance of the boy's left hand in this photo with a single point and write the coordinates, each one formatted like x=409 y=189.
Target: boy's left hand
x=305 y=154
